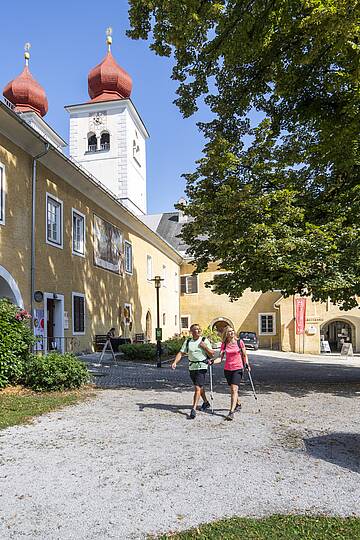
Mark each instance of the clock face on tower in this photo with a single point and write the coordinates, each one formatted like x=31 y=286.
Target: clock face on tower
x=97 y=121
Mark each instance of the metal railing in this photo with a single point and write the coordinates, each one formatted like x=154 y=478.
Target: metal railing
x=45 y=345
x=92 y=148
x=105 y=146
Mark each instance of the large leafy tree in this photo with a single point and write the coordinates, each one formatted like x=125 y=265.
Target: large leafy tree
x=275 y=197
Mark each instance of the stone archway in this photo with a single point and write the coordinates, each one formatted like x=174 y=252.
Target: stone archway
x=220 y=324
x=337 y=332
x=9 y=288
x=148 y=325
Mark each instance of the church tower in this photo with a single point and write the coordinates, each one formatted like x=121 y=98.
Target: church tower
x=107 y=135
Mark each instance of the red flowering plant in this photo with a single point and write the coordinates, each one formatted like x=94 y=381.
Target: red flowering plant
x=22 y=315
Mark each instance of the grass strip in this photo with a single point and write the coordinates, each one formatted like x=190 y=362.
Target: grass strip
x=19 y=405
x=275 y=527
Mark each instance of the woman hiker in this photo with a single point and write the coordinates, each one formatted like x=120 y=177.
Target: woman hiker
x=235 y=361
x=198 y=349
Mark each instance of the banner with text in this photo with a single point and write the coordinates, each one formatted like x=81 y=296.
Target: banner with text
x=300 y=307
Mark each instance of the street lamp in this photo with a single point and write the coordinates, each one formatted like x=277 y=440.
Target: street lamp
x=158 y=332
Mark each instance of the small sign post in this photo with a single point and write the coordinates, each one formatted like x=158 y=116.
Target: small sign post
x=158 y=334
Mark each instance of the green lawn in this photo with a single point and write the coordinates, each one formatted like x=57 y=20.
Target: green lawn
x=19 y=406
x=274 y=528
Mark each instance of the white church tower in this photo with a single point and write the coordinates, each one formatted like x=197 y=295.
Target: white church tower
x=107 y=135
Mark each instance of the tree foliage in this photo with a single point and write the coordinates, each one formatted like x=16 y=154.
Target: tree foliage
x=275 y=197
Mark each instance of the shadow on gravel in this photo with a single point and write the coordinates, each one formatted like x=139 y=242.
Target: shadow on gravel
x=175 y=409
x=294 y=377
x=341 y=449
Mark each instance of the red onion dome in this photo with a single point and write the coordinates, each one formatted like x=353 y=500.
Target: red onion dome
x=108 y=81
x=26 y=94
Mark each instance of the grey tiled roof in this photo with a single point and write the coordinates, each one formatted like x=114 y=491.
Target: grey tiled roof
x=167 y=226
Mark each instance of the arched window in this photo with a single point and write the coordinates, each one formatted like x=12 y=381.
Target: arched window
x=105 y=141
x=92 y=142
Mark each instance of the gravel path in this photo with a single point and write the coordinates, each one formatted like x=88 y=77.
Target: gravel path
x=129 y=462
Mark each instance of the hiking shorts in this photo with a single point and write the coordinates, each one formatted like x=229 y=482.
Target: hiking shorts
x=198 y=377
x=233 y=376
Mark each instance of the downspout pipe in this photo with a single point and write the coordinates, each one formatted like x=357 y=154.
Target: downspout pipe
x=33 y=220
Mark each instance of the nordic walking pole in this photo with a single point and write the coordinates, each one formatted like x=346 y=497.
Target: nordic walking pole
x=252 y=384
x=211 y=389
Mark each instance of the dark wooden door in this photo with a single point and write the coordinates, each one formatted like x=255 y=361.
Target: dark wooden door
x=50 y=323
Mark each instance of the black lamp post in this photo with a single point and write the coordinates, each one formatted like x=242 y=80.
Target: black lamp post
x=157 y=280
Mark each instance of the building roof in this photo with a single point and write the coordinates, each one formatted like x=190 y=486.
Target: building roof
x=168 y=226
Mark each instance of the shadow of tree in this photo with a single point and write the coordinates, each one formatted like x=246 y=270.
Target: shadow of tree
x=341 y=449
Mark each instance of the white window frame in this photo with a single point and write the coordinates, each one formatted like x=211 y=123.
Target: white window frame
x=149 y=275
x=177 y=279
x=61 y=228
x=186 y=276
x=273 y=333
x=73 y=294
x=189 y=322
x=80 y=214
x=127 y=243
x=2 y=193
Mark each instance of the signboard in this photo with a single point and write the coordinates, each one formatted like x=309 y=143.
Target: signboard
x=325 y=347
x=39 y=332
x=347 y=349
x=108 y=246
x=300 y=311
x=158 y=334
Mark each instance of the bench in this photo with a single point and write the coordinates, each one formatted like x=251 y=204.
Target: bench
x=100 y=340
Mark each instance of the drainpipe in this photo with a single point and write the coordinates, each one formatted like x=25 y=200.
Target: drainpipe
x=33 y=195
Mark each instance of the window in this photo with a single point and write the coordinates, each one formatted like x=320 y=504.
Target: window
x=2 y=194
x=149 y=267
x=78 y=313
x=105 y=141
x=92 y=142
x=164 y=276
x=164 y=319
x=185 y=322
x=176 y=282
x=175 y=320
x=128 y=258
x=267 y=324
x=78 y=233
x=54 y=215
x=189 y=284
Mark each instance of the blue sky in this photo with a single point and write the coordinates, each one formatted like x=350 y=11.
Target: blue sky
x=68 y=39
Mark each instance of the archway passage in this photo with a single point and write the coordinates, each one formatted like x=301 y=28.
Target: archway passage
x=220 y=325
x=337 y=333
x=9 y=288
x=148 y=326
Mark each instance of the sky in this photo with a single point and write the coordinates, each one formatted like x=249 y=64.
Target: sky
x=67 y=40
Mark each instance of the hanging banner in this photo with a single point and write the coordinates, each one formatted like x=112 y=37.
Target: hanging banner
x=300 y=310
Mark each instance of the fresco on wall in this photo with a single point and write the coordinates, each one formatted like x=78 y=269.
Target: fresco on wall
x=108 y=251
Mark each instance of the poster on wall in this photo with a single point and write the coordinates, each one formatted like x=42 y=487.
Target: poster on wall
x=39 y=331
x=108 y=246
x=300 y=309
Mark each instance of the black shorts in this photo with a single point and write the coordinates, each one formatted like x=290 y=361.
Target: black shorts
x=233 y=376
x=198 y=377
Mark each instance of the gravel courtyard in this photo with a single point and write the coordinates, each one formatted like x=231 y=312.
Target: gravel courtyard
x=129 y=462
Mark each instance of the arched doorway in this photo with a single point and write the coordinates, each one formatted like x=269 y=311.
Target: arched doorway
x=337 y=332
x=220 y=324
x=9 y=288
x=148 y=326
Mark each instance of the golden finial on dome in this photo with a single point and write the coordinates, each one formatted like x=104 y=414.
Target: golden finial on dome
x=109 y=37
x=27 y=48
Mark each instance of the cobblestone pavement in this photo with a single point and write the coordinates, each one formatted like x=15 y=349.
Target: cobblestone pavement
x=129 y=462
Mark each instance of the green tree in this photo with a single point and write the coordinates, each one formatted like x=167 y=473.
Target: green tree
x=275 y=197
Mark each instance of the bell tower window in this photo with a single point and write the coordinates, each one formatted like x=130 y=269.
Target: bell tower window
x=92 y=142
x=105 y=141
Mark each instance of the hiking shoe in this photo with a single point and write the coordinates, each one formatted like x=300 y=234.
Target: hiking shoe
x=238 y=407
x=230 y=416
x=192 y=414
x=205 y=406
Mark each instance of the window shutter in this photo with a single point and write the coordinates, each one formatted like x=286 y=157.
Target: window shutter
x=183 y=284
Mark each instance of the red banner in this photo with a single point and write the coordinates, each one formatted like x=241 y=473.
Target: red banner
x=300 y=310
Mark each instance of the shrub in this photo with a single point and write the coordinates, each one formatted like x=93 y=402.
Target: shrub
x=173 y=345
x=16 y=339
x=55 y=371
x=139 y=351
x=211 y=334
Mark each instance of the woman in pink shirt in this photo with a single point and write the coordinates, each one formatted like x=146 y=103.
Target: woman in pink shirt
x=235 y=360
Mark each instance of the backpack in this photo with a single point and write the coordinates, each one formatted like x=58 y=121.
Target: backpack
x=187 y=351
